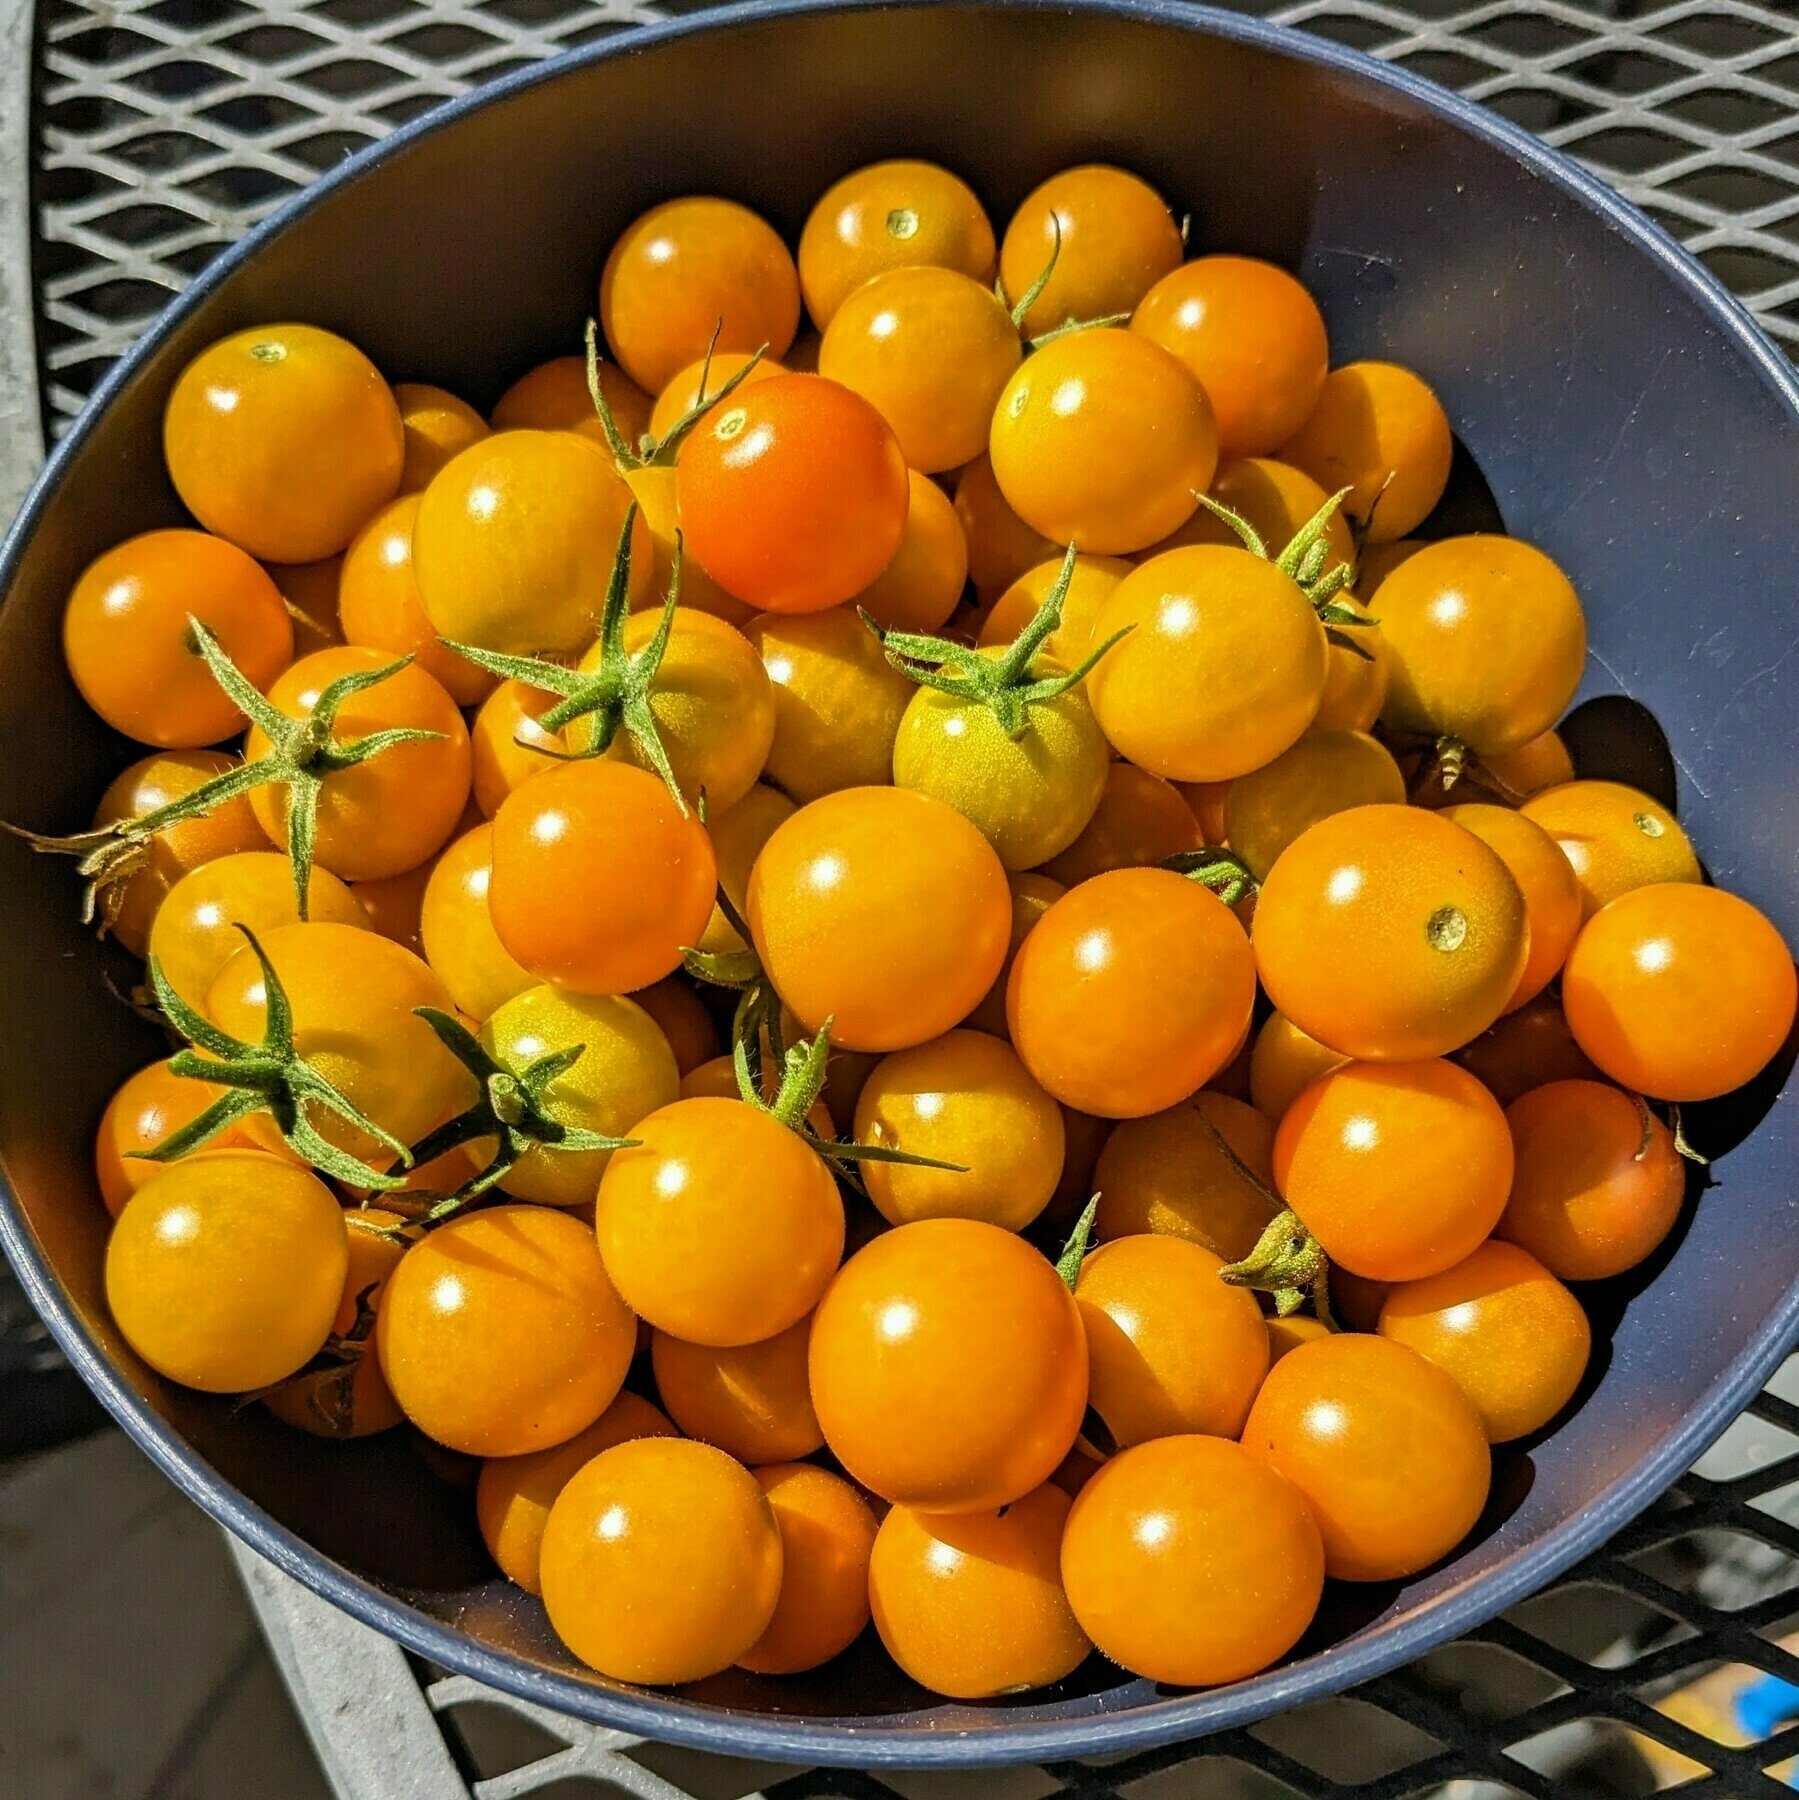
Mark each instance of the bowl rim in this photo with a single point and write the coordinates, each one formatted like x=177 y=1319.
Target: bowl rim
x=1007 y=1739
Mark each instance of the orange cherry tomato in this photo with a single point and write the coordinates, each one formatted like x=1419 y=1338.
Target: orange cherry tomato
x=1169 y=1173
x=1679 y=991
x=1614 y=837
x=1001 y=546
x=750 y=1400
x=1524 y=1049
x=1552 y=905
x=1284 y=1063
x=1326 y=772
x=1102 y=439
x=1171 y=1348
x=1032 y=896
x=514 y=1494
x=598 y=879
x=890 y=215
x=1190 y=1562
x=794 y=494
x=1273 y=497
x=500 y=1332
x=456 y=934
x=1355 y=679
x=554 y=397
x=827 y=1535
x=1141 y=820
x=1387 y=1451
x=126 y=639
x=680 y=1012
x=1134 y=989
x=971 y=1605
x=948 y=1369
x=1390 y=933
x=1088 y=589
x=1254 y=339
x=685 y=392
x=1599 y=1182
x=310 y=590
x=1542 y=763
x=1380 y=432
x=1514 y=1339
x=693 y=273
x=387 y=814
x=1398 y=1169
x=283 y=439
x=1086 y=1137
x=657 y=492
x=923 y=584
x=633 y=1514
x=436 y=425
x=720 y=1226
x=1112 y=238
x=882 y=910
x=499 y=740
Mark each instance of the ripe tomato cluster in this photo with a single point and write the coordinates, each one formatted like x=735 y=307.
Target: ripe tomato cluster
x=745 y=863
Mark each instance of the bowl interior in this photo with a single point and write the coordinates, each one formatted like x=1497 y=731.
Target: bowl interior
x=1621 y=418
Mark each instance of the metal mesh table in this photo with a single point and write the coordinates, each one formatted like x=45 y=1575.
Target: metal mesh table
x=157 y=131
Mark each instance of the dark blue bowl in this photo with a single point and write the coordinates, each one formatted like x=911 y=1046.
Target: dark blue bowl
x=1622 y=410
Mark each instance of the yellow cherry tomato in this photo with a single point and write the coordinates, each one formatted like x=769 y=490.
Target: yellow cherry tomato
x=923 y=584
x=554 y=396
x=1614 y=838
x=1032 y=896
x=738 y=834
x=456 y=934
x=501 y=740
x=1356 y=675
x=1089 y=587
x=749 y=1400
x=1552 y=900
x=436 y=425
x=1284 y=1063
x=684 y=1021
x=1326 y=772
x=1001 y=546
x=827 y=1534
x=1141 y=819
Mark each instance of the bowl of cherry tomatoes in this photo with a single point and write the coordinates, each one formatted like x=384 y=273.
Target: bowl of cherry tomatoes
x=942 y=921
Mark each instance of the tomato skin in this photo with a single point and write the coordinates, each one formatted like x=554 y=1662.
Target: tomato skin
x=748 y=1400
x=1542 y=763
x=283 y=439
x=617 y=1530
x=514 y=1494
x=498 y=761
x=684 y=391
x=794 y=494
x=1273 y=497
x=1102 y=439
x=1133 y=990
x=970 y=1605
x=1390 y=933
x=883 y=910
x=1225 y=1585
x=721 y=1226
x=1355 y=686
x=126 y=640
x=1399 y=1170
x=923 y=584
x=1526 y=1049
x=1513 y=1338
x=1614 y=838
x=554 y=397
x=1171 y=1349
x=436 y=425
x=1284 y=1063
x=310 y=590
x=1387 y=1451
x=683 y=1019
x=1001 y=546
x=948 y=1369
x=1599 y=1182
x=1325 y=772
x=827 y=1535
x=656 y=491
x=1552 y=902
x=1032 y=896
x=1289 y=1333
x=1090 y=586
x=1140 y=820
x=456 y=932
x=614 y=836
x=687 y=269
x=224 y=1272
x=1224 y=666
x=1679 y=991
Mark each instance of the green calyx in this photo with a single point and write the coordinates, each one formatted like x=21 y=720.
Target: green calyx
x=651 y=452
x=268 y=1077
x=1019 y=312
x=1007 y=684
x=1074 y=1252
x=1216 y=870
x=1288 y=1263
x=616 y=694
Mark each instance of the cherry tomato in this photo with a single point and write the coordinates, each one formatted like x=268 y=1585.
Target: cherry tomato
x=1032 y=896
x=1085 y=1136
x=310 y=590
x=657 y=493
x=125 y=635
x=684 y=1021
x=1102 y=439
x=882 y=910
x=394 y=903
x=514 y=1494
x=1254 y=339
x=1134 y=989
x=436 y=425
x=1378 y=560
x=1169 y=1173
x=1599 y=1182
x=966 y=1099
x=1525 y=1049
x=1390 y=933
x=794 y=494
x=1614 y=839
x=1679 y=991
x=379 y=606
x=1089 y=588
x=1380 y=432
x=1552 y=905
x=1355 y=679
x=684 y=392
x=1387 y=1451
x=554 y=397
x=693 y=273
x=598 y=879
x=1273 y=497
x=1326 y=772
x=387 y=814
x=1223 y=668
x=1001 y=546
x=1288 y=1334
x=750 y=1400
x=634 y=1514
x=513 y=545
x=1190 y=1562
x=499 y=762
x=738 y=834
x=890 y=215
x=456 y=933
x=722 y=1226
x=1542 y=763
x=1284 y=1063
x=626 y=1071
x=224 y=1272
x=1514 y=1339
x=947 y=1366
x=283 y=438
x=971 y=1605
x=1112 y=238
x=923 y=584
x=1171 y=1349
x=1140 y=820
x=827 y=1536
